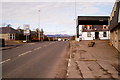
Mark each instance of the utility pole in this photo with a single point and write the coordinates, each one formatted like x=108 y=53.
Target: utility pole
x=39 y=26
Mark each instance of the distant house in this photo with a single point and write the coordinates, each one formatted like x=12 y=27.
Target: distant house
x=8 y=33
x=34 y=35
x=20 y=30
x=115 y=25
x=92 y=32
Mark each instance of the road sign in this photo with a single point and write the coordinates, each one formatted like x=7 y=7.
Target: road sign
x=26 y=29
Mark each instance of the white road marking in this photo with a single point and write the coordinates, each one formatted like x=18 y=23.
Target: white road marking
x=50 y=43
x=17 y=47
x=5 y=61
x=24 y=53
x=31 y=43
x=69 y=60
x=39 y=47
x=45 y=45
x=68 y=64
x=35 y=49
x=67 y=72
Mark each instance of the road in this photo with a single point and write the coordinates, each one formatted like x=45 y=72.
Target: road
x=33 y=60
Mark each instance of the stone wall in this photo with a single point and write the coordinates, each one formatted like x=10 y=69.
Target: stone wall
x=4 y=36
x=119 y=38
x=115 y=38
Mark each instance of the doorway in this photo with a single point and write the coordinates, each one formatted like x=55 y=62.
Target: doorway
x=97 y=35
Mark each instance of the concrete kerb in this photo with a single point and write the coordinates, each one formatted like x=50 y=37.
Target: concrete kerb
x=68 y=65
x=75 y=73
x=14 y=46
x=6 y=48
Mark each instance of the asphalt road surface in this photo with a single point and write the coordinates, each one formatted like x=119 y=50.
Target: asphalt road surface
x=33 y=60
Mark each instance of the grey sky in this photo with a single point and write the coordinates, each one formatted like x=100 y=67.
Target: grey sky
x=55 y=17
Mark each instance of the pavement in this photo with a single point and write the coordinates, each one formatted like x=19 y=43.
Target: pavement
x=99 y=61
x=34 y=60
x=9 y=47
x=11 y=44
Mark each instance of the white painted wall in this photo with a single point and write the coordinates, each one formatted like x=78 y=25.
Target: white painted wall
x=104 y=38
x=85 y=37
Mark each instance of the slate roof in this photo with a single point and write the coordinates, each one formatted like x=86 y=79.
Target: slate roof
x=114 y=18
x=33 y=32
x=5 y=30
x=92 y=20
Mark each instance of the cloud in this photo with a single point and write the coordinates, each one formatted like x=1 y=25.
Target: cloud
x=52 y=14
x=92 y=8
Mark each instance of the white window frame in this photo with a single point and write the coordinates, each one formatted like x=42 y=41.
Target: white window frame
x=105 y=27
x=88 y=34
x=104 y=34
x=11 y=36
x=88 y=27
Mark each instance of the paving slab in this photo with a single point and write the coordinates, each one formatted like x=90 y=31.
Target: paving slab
x=84 y=70
x=73 y=72
x=94 y=62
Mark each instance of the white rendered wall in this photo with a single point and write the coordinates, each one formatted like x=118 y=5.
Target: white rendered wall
x=104 y=38
x=84 y=36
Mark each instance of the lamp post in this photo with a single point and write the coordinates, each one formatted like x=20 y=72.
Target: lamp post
x=39 y=26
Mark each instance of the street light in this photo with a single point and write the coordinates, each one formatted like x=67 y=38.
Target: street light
x=39 y=26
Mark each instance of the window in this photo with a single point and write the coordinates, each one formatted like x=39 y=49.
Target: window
x=89 y=27
x=11 y=36
x=104 y=34
x=105 y=27
x=88 y=34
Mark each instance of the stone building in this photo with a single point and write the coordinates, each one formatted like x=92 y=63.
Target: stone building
x=8 y=33
x=115 y=25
